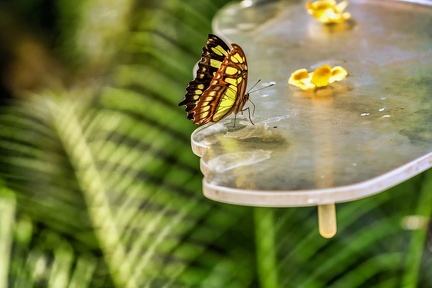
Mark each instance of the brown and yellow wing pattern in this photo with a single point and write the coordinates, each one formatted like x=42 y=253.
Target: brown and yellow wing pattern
x=220 y=84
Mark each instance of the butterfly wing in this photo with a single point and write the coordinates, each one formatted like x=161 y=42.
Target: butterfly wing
x=227 y=90
x=213 y=54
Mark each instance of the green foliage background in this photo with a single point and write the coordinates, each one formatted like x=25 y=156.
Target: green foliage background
x=99 y=187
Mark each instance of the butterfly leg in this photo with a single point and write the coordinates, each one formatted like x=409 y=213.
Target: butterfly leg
x=249 y=113
x=253 y=111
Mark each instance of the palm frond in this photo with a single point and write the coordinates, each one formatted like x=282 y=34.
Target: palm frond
x=102 y=172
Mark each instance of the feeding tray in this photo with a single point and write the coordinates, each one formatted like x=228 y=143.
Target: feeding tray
x=346 y=141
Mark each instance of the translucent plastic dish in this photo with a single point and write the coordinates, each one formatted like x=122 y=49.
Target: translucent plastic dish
x=347 y=141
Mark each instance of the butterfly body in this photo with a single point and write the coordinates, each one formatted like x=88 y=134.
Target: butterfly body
x=219 y=87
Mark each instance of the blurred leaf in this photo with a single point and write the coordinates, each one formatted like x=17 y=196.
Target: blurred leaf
x=102 y=173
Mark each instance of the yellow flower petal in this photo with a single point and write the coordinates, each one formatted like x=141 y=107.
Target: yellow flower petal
x=321 y=77
x=328 y=11
x=299 y=75
x=301 y=78
x=338 y=73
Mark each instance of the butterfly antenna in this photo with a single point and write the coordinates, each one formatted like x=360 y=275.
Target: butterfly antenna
x=253 y=86
x=260 y=88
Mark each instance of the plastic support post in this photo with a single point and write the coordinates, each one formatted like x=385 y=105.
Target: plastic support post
x=327 y=220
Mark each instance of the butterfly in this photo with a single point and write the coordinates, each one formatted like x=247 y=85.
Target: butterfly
x=219 y=87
